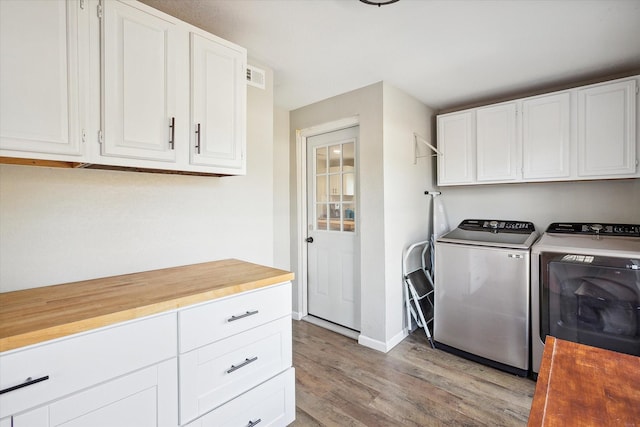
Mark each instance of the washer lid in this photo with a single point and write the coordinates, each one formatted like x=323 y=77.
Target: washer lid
x=497 y=233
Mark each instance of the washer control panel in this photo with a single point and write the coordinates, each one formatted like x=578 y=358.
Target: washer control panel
x=497 y=226
x=627 y=230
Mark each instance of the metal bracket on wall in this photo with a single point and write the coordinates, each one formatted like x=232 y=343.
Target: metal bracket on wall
x=417 y=138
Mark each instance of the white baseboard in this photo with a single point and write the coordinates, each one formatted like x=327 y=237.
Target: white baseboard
x=381 y=345
x=296 y=316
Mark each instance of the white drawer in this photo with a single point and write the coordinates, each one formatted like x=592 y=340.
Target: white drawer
x=82 y=360
x=206 y=323
x=270 y=404
x=214 y=374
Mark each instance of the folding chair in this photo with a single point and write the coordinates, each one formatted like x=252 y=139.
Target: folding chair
x=418 y=288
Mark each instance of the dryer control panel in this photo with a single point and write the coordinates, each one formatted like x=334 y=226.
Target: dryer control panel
x=627 y=230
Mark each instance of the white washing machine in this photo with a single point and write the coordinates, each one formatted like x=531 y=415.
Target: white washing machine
x=482 y=292
x=585 y=287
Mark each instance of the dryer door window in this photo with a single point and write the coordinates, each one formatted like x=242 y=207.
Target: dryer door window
x=592 y=300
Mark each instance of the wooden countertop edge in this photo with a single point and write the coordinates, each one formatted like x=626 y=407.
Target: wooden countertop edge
x=539 y=403
x=82 y=325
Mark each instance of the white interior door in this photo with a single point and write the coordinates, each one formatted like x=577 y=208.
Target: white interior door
x=332 y=223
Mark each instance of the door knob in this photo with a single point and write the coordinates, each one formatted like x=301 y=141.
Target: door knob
x=309 y=239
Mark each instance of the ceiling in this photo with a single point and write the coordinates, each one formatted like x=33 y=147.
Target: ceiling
x=446 y=53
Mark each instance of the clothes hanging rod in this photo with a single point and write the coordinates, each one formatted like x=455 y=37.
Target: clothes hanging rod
x=425 y=142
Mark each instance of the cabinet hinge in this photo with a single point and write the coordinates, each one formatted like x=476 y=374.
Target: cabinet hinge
x=84 y=135
x=99 y=9
x=100 y=136
x=82 y=4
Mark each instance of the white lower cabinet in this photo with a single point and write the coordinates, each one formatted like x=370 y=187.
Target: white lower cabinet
x=145 y=398
x=209 y=376
x=235 y=369
x=113 y=374
x=269 y=404
x=228 y=348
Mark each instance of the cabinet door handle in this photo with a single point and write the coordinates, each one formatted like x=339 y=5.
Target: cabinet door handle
x=242 y=316
x=198 y=138
x=254 y=423
x=243 y=364
x=172 y=138
x=29 y=381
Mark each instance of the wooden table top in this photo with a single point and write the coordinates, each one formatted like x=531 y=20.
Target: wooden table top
x=34 y=315
x=579 y=385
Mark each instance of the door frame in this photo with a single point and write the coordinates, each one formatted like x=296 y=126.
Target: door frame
x=301 y=209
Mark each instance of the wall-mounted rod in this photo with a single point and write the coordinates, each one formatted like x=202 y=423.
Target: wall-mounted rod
x=417 y=138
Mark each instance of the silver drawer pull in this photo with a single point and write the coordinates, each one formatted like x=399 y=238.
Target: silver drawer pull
x=245 y=363
x=29 y=381
x=254 y=423
x=242 y=316
x=516 y=256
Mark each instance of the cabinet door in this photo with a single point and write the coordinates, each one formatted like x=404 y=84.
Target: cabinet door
x=40 y=81
x=607 y=129
x=272 y=403
x=139 y=83
x=218 y=104
x=496 y=143
x=214 y=374
x=456 y=142
x=143 y=398
x=546 y=131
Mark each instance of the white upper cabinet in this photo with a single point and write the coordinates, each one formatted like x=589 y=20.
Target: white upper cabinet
x=607 y=129
x=139 y=80
x=218 y=103
x=496 y=142
x=546 y=132
x=456 y=142
x=111 y=83
x=588 y=132
x=41 y=78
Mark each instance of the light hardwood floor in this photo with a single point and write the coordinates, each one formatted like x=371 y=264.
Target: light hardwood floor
x=341 y=383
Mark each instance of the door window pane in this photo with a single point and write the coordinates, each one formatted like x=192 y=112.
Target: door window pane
x=334 y=184
x=335 y=187
x=348 y=186
x=335 y=153
x=321 y=188
x=348 y=157
x=321 y=160
x=349 y=217
x=334 y=214
x=321 y=216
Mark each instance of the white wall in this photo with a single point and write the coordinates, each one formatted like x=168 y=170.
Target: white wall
x=406 y=207
x=544 y=203
x=281 y=190
x=367 y=104
x=60 y=225
x=393 y=207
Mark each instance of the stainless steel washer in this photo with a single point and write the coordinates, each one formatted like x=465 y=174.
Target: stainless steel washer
x=482 y=292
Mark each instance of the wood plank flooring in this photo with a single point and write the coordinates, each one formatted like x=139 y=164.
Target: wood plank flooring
x=341 y=383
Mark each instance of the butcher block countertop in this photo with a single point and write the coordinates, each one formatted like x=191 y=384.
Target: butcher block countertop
x=580 y=385
x=35 y=315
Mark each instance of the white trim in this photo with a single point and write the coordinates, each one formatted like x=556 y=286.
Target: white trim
x=382 y=346
x=301 y=207
x=350 y=333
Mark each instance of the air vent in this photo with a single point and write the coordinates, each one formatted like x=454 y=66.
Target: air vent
x=255 y=77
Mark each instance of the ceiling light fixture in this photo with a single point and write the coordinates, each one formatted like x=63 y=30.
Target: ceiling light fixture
x=378 y=2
